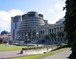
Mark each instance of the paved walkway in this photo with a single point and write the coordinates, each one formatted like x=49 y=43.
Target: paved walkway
x=17 y=53
x=60 y=55
x=10 y=54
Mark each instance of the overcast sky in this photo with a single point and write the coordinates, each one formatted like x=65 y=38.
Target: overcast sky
x=51 y=9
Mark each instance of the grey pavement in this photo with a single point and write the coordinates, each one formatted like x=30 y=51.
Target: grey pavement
x=10 y=54
x=60 y=55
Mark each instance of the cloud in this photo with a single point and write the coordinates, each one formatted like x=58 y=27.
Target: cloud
x=15 y=12
x=57 y=16
x=50 y=10
x=53 y=15
x=5 y=18
x=58 y=12
x=59 y=6
x=60 y=15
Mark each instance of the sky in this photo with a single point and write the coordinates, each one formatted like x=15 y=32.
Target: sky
x=51 y=9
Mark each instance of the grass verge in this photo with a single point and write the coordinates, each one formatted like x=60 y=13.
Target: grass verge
x=10 y=48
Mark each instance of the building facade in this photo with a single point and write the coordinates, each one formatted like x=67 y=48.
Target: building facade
x=58 y=30
x=29 y=28
x=15 y=23
x=32 y=26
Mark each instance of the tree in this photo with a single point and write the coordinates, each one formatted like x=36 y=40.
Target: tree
x=1 y=40
x=52 y=35
x=47 y=37
x=4 y=32
x=70 y=25
x=61 y=34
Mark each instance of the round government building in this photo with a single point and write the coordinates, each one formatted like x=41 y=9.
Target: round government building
x=28 y=26
x=32 y=27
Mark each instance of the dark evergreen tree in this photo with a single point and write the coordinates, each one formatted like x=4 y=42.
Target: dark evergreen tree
x=70 y=25
x=47 y=37
x=61 y=34
x=52 y=35
x=1 y=40
x=4 y=32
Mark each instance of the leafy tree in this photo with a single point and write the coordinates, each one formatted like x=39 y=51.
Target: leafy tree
x=4 y=32
x=61 y=34
x=1 y=40
x=70 y=25
x=52 y=35
x=47 y=37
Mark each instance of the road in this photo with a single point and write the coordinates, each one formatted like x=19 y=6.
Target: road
x=60 y=55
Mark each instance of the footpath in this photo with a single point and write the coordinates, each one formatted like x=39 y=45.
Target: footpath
x=18 y=53
x=60 y=55
x=10 y=54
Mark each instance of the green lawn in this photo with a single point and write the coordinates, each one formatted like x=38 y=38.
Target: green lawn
x=3 y=47
x=40 y=55
x=10 y=48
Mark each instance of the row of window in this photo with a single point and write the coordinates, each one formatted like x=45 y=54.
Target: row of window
x=56 y=29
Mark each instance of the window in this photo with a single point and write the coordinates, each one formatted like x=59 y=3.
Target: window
x=50 y=30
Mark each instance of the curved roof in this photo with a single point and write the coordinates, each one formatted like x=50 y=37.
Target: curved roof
x=31 y=20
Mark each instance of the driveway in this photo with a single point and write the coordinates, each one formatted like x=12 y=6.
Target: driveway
x=60 y=55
